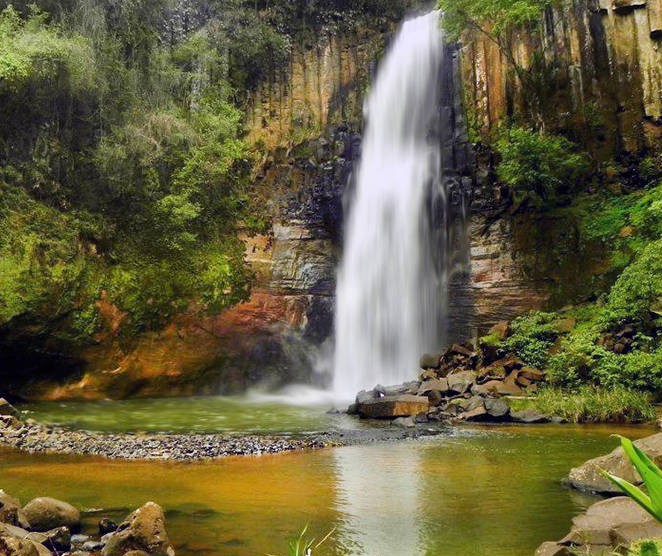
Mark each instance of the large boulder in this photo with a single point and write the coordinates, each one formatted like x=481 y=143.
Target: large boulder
x=46 y=513
x=461 y=382
x=11 y=512
x=430 y=361
x=390 y=407
x=435 y=385
x=606 y=525
x=529 y=416
x=497 y=408
x=588 y=477
x=143 y=530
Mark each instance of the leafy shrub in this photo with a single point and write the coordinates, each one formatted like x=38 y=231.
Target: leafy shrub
x=638 y=290
x=531 y=337
x=647 y=547
x=538 y=168
x=499 y=16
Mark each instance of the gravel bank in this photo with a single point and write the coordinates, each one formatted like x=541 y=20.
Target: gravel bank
x=33 y=437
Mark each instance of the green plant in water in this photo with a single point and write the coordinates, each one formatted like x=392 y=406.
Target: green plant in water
x=304 y=546
x=650 y=473
x=646 y=547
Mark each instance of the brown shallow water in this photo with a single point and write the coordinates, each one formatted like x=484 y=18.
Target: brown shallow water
x=486 y=491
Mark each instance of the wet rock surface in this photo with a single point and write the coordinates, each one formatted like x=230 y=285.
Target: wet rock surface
x=604 y=528
x=143 y=532
x=462 y=384
x=587 y=477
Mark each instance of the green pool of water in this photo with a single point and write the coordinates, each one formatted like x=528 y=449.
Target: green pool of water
x=487 y=491
x=255 y=413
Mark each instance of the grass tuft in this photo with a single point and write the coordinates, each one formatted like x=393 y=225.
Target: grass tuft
x=590 y=404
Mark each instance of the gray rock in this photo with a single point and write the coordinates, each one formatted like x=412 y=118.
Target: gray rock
x=553 y=549
x=529 y=416
x=604 y=528
x=93 y=546
x=59 y=538
x=143 y=530
x=47 y=513
x=588 y=476
x=477 y=414
x=497 y=408
x=404 y=422
x=435 y=385
x=353 y=409
x=461 y=382
x=366 y=395
x=430 y=361
x=79 y=539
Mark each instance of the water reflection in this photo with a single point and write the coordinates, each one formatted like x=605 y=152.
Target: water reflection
x=379 y=497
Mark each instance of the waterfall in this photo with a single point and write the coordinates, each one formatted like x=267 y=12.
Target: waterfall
x=391 y=285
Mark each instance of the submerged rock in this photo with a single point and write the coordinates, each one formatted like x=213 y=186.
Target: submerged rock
x=46 y=513
x=143 y=530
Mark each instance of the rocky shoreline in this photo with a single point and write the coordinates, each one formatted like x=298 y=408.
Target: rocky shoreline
x=610 y=526
x=462 y=384
x=46 y=527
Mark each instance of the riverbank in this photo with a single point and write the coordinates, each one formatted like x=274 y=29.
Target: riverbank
x=32 y=437
x=610 y=526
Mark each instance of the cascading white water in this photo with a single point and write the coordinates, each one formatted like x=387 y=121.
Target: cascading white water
x=388 y=292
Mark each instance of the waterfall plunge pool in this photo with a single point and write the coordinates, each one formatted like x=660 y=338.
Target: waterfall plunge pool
x=483 y=490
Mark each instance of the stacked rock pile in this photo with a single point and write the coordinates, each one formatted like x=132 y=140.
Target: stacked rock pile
x=456 y=385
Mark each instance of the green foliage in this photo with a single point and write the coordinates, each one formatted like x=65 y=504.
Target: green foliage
x=531 y=337
x=651 y=474
x=638 y=291
x=122 y=171
x=31 y=50
x=645 y=547
x=495 y=17
x=538 y=168
x=304 y=546
x=594 y=405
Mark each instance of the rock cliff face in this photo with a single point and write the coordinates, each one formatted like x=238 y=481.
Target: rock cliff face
x=600 y=75
x=605 y=62
x=600 y=82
